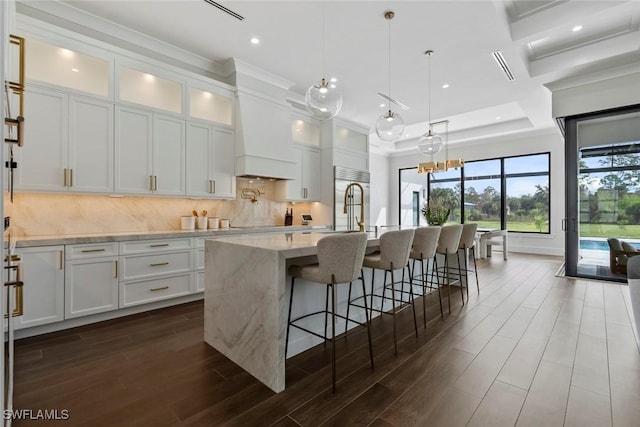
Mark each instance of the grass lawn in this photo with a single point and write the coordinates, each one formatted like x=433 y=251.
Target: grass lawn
x=610 y=230
x=513 y=226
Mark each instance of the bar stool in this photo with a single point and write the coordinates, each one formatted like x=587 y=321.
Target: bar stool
x=448 y=243
x=425 y=243
x=395 y=247
x=339 y=261
x=468 y=247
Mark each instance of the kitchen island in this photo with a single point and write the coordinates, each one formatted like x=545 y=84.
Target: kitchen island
x=246 y=303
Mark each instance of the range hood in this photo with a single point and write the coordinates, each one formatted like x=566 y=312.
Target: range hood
x=264 y=145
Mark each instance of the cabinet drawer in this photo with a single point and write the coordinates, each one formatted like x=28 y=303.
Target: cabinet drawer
x=151 y=246
x=91 y=250
x=135 y=267
x=146 y=291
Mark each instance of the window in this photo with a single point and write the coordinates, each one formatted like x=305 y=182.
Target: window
x=527 y=188
x=508 y=193
x=482 y=193
x=446 y=186
x=413 y=190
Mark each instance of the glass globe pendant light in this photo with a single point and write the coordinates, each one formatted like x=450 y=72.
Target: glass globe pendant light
x=323 y=99
x=429 y=144
x=390 y=126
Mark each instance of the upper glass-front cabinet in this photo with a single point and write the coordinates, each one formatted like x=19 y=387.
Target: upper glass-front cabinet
x=150 y=90
x=351 y=140
x=210 y=106
x=305 y=132
x=63 y=67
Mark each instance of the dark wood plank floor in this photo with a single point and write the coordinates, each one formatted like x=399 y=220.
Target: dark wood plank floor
x=529 y=349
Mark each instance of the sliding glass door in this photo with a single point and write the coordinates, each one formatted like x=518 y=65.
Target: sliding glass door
x=603 y=193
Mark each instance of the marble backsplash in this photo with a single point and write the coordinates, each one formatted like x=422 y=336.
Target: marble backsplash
x=42 y=214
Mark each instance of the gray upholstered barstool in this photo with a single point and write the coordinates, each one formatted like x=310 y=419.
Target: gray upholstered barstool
x=448 y=243
x=425 y=242
x=395 y=247
x=468 y=248
x=339 y=261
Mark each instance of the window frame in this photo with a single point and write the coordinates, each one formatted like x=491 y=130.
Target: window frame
x=503 y=187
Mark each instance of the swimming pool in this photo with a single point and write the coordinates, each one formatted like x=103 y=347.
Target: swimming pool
x=600 y=245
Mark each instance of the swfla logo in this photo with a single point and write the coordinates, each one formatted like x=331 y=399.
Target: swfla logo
x=36 y=414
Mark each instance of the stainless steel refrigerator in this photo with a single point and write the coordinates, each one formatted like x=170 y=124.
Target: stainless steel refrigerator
x=347 y=185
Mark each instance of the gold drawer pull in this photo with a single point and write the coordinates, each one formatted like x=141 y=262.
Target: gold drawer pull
x=84 y=251
x=159 y=245
x=157 y=264
x=159 y=289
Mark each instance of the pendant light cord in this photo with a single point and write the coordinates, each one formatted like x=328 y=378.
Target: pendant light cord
x=389 y=64
x=323 y=41
x=429 y=89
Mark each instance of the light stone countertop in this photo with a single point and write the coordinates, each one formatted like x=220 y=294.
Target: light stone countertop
x=245 y=298
x=74 y=239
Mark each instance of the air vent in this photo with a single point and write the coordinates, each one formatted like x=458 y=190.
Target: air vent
x=497 y=55
x=398 y=103
x=225 y=10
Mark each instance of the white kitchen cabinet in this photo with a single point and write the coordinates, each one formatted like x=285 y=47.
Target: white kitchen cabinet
x=43 y=158
x=43 y=290
x=149 y=152
x=210 y=163
x=90 y=146
x=306 y=185
x=68 y=144
x=91 y=279
x=154 y=270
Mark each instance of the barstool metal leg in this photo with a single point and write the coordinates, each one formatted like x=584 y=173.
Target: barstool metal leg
x=424 y=290
x=434 y=268
x=446 y=270
x=475 y=267
x=460 y=276
x=393 y=304
x=413 y=305
x=286 y=341
x=326 y=314
x=346 y=325
x=368 y=320
x=333 y=332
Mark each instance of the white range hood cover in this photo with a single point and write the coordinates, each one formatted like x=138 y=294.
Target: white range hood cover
x=264 y=145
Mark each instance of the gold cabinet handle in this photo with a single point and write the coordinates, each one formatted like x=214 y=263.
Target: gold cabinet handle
x=151 y=182
x=158 y=264
x=210 y=186
x=70 y=177
x=61 y=260
x=213 y=181
x=116 y=264
x=64 y=177
x=155 y=183
x=92 y=250
x=159 y=245
x=19 y=309
x=159 y=289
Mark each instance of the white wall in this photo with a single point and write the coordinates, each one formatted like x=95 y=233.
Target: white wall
x=379 y=197
x=548 y=141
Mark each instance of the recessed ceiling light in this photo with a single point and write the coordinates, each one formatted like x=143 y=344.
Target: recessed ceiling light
x=382 y=105
x=255 y=40
x=333 y=80
x=446 y=85
x=577 y=28
x=498 y=118
x=75 y=70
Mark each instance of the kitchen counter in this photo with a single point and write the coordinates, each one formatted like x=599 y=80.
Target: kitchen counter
x=246 y=286
x=74 y=239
